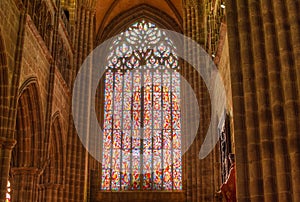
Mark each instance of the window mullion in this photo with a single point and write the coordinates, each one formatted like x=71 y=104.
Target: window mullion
x=152 y=131
x=171 y=122
x=131 y=131
x=162 y=130
x=112 y=130
x=121 y=126
x=142 y=132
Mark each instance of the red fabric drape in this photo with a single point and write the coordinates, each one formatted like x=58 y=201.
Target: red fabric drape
x=229 y=187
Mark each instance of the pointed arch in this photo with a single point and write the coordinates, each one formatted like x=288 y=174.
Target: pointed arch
x=51 y=180
x=143 y=11
x=142 y=113
x=29 y=126
x=56 y=150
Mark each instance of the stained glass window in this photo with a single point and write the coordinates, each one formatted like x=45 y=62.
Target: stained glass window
x=142 y=125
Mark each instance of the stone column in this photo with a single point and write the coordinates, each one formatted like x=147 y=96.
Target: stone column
x=77 y=155
x=24 y=184
x=276 y=97
x=263 y=43
x=6 y=146
x=288 y=46
x=198 y=174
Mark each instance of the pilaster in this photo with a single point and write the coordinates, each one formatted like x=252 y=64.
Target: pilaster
x=6 y=146
x=24 y=183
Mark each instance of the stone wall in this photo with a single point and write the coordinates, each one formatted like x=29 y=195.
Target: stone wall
x=9 y=25
x=36 y=103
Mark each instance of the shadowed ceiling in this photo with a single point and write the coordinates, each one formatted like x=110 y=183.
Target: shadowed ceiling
x=107 y=10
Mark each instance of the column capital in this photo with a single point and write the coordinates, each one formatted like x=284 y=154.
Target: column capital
x=24 y=171
x=7 y=143
x=88 y=9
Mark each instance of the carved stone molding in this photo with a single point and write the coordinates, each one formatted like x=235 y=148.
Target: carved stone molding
x=50 y=186
x=7 y=143
x=24 y=171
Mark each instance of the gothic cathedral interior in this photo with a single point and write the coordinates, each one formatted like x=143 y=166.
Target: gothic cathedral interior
x=149 y=100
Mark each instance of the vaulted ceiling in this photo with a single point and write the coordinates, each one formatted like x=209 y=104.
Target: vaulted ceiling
x=107 y=10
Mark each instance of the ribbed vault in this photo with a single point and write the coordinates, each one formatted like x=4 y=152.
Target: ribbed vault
x=144 y=11
x=107 y=10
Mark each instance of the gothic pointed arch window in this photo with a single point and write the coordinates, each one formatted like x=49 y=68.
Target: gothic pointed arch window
x=142 y=126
